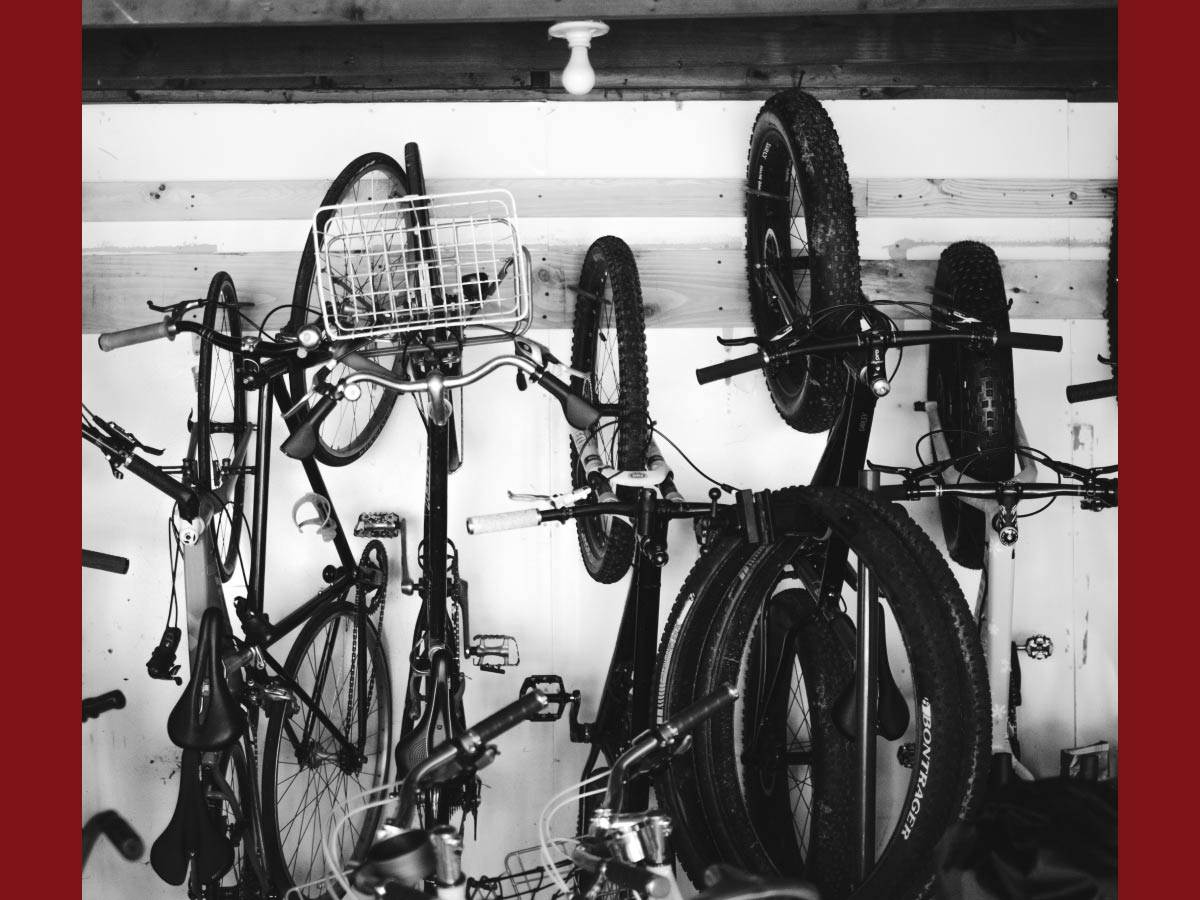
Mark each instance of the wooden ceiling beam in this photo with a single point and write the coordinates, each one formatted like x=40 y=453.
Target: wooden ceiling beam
x=134 y=13
x=1047 y=54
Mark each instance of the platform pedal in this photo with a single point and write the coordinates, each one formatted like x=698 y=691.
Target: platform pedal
x=494 y=652
x=377 y=525
x=560 y=700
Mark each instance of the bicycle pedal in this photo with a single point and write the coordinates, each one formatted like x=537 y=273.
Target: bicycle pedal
x=557 y=695
x=494 y=652
x=1037 y=646
x=377 y=525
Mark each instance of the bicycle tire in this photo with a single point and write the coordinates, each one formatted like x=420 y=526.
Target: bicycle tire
x=799 y=207
x=973 y=389
x=350 y=432
x=608 y=343
x=301 y=796
x=234 y=810
x=740 y=804
x=221 y=421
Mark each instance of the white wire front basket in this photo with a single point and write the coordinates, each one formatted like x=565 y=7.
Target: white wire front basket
x=417 y=262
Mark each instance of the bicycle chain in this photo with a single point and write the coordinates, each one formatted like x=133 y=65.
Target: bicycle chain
x=380 y=598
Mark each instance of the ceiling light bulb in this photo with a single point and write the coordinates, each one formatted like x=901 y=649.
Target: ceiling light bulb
x=578 y=77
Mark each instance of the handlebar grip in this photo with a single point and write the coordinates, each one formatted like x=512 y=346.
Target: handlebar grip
x=94 y=706
x=730 y=367
x=111 y=340
x=521 y=518
x=509 y=716
x=579 y=412
x=1019 y=340
x=157 y=478
x=302 y=443
x=623 y=874
x=94 y=559
x=692 y=715
x=1091 y=390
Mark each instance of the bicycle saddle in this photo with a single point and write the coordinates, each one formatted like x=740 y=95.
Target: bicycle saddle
x=191 y=834
x=209 y=721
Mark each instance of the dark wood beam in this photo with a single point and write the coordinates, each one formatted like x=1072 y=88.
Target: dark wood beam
x=1070 y=54
x=133 y=13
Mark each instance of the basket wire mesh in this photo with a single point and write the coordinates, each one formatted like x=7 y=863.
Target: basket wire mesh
x=416 y=262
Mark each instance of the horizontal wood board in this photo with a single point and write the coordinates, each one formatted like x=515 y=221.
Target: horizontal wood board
x=1047 y=53
x=106 y=13
x=682 y=287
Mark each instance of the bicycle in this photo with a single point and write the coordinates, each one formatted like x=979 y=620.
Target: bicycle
x=430 y=275
x=221 y=838
x=976 y=434
x=624 y=849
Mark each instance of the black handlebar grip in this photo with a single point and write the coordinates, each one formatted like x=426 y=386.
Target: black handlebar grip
x=112 y=824
x=111 y=340
x=510 y=716
x=692 y=715
x=730 y=367
x=635 y=878
x=94 y=559
x=579 y=412
x=302 y=443
x=1019 y=340
x=156 y=477
x=1091 y=390
x=93 y=706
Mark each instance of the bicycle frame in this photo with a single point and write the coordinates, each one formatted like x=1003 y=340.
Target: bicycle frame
x=997 y=584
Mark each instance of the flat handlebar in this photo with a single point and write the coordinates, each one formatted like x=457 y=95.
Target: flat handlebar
x=111 y=340
x=303 y=440
x=768 y=354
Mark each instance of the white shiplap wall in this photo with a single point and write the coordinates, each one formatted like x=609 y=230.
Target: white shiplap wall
x=530 y=583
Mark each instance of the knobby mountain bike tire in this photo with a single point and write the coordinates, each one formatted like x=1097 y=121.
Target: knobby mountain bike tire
x=801 y=248
x=769 y=785
x=232 y=805
x=608 y=343
x=221 y=422
x=973 y=389
x=353 y=427
x=307 y=776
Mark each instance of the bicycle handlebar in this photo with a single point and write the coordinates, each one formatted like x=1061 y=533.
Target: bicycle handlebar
x=874 y=338
x=1102 y=490
x=111 y=340
x=665 y=735
x=94 y=559
x=505 y=521
x=303 y=441
x=622 y=874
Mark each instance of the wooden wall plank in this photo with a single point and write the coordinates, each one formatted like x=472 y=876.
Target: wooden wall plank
x=682 y=286
x=106 y=13
x=606 y=197
x=1051 y=53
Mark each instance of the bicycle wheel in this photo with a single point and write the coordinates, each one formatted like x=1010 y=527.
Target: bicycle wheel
x=769 y=785
x=973 y=389
x=307 y=775
x=352 y=429
x=608 y=343
x=231 y=802
x=221 y=422
x=801 y=248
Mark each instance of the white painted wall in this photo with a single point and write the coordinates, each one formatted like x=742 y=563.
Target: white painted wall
x=531 y=583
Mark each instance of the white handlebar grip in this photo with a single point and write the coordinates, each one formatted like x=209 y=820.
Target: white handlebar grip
x=522 y=518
